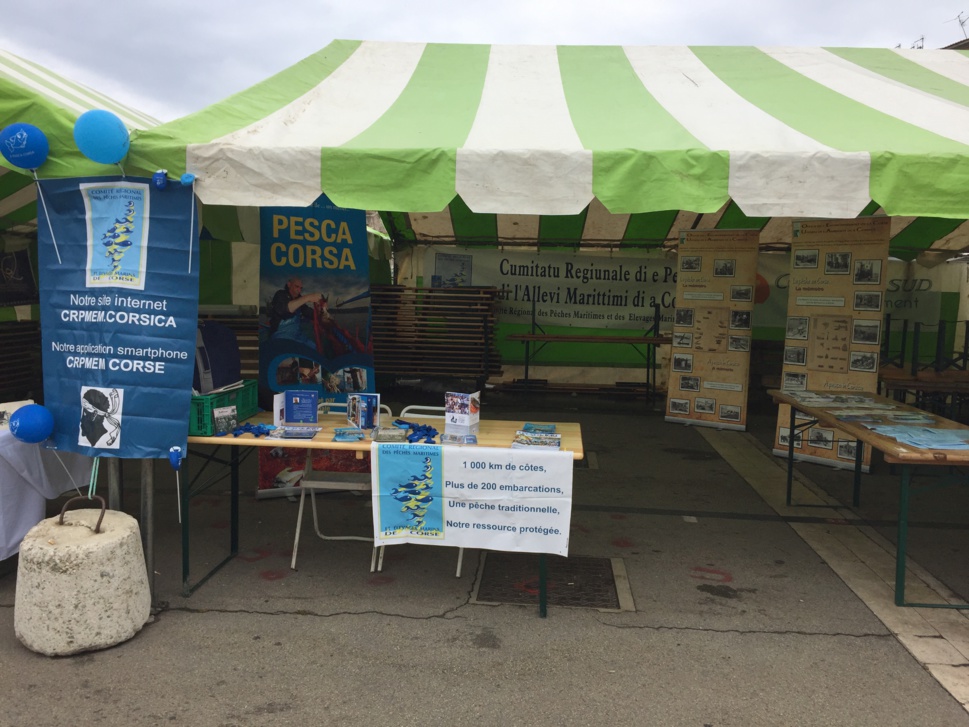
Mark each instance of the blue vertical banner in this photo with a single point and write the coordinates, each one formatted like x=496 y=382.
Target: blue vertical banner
x=119 y=263
x=315 y=330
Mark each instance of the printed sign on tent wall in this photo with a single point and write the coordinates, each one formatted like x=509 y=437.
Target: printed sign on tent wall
x=559 y=288
x=710 y=359
x=834 y=321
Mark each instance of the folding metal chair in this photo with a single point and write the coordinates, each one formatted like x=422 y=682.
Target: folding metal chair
x=314 y=480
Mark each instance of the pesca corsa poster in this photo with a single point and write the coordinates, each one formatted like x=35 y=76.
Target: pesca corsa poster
x=118 y=262
x=314 y=324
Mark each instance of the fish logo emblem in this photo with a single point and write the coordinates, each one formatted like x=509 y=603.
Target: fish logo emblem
x=117 y=239
x=415 y=496
x=17 y=142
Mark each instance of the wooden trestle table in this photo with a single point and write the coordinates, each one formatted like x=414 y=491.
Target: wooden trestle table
x=906 y=457
x=491 y=433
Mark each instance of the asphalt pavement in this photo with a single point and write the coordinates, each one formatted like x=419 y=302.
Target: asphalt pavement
x=736 y=610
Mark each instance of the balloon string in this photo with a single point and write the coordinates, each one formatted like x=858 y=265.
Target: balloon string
x=94 y=479
x=40 y=196
x=69 y=475
x=122 y=170
x=191 y=229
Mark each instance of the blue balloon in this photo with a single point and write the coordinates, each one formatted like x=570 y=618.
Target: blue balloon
x=24 y=146
x=101 y=136
x=187 y=179
x=32 y=423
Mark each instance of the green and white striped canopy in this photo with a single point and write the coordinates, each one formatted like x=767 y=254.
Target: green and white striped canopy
x=34 y=95
x=930 y=240
x=533 y=130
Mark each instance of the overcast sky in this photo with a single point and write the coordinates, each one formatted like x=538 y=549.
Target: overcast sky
x=169 y=58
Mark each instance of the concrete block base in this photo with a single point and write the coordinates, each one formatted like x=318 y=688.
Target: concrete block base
x=78 y=590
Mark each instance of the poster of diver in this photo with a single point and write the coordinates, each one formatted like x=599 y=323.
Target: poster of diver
x=119 y=265
x=314 y=322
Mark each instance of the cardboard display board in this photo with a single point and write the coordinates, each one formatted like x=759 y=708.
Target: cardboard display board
x=834 y=320
x=710 y=356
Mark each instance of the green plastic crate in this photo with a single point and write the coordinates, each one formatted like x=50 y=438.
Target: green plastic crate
x=245 y=400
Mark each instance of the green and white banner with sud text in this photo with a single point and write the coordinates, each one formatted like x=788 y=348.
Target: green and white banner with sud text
x=472 y=497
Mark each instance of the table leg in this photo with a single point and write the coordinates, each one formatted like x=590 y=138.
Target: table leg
x=790 y=455
x=859 y=458
x=148 y=520
x=528 y=345
x=542 y=585
x=901 y=547
x=234 y=493
x=184 y=469
x=187 y=588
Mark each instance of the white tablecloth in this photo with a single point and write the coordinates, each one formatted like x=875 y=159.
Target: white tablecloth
x=29 y=476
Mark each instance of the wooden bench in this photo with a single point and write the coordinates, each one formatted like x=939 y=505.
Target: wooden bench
x=542 y=339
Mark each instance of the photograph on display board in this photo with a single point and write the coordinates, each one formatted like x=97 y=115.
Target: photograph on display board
x=821 y=438
x=866 y=331
x=837 y=263
x=730 y=412
x=868 y=272
x=704 y=405
x=868 y=301
x=679 y=406
x=740 y=320
x=863 y=361
x=724 y=268
x=794 y=381
x=797 y=328
x=691 y=263
x=847 y=449
x=795 y=355
x=683 y=362
x=682 y=340
x=683 y=317
x=806 y=259
x=784 y=437
x=689 y=383
x=738 y=343
x=298 y=371
x=742 y=293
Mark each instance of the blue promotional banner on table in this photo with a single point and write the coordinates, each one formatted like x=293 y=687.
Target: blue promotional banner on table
x=315 y=291
x=472 y=497
x=118 y=263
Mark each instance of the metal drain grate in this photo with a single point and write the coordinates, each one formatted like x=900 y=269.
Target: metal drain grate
x=574 y=581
